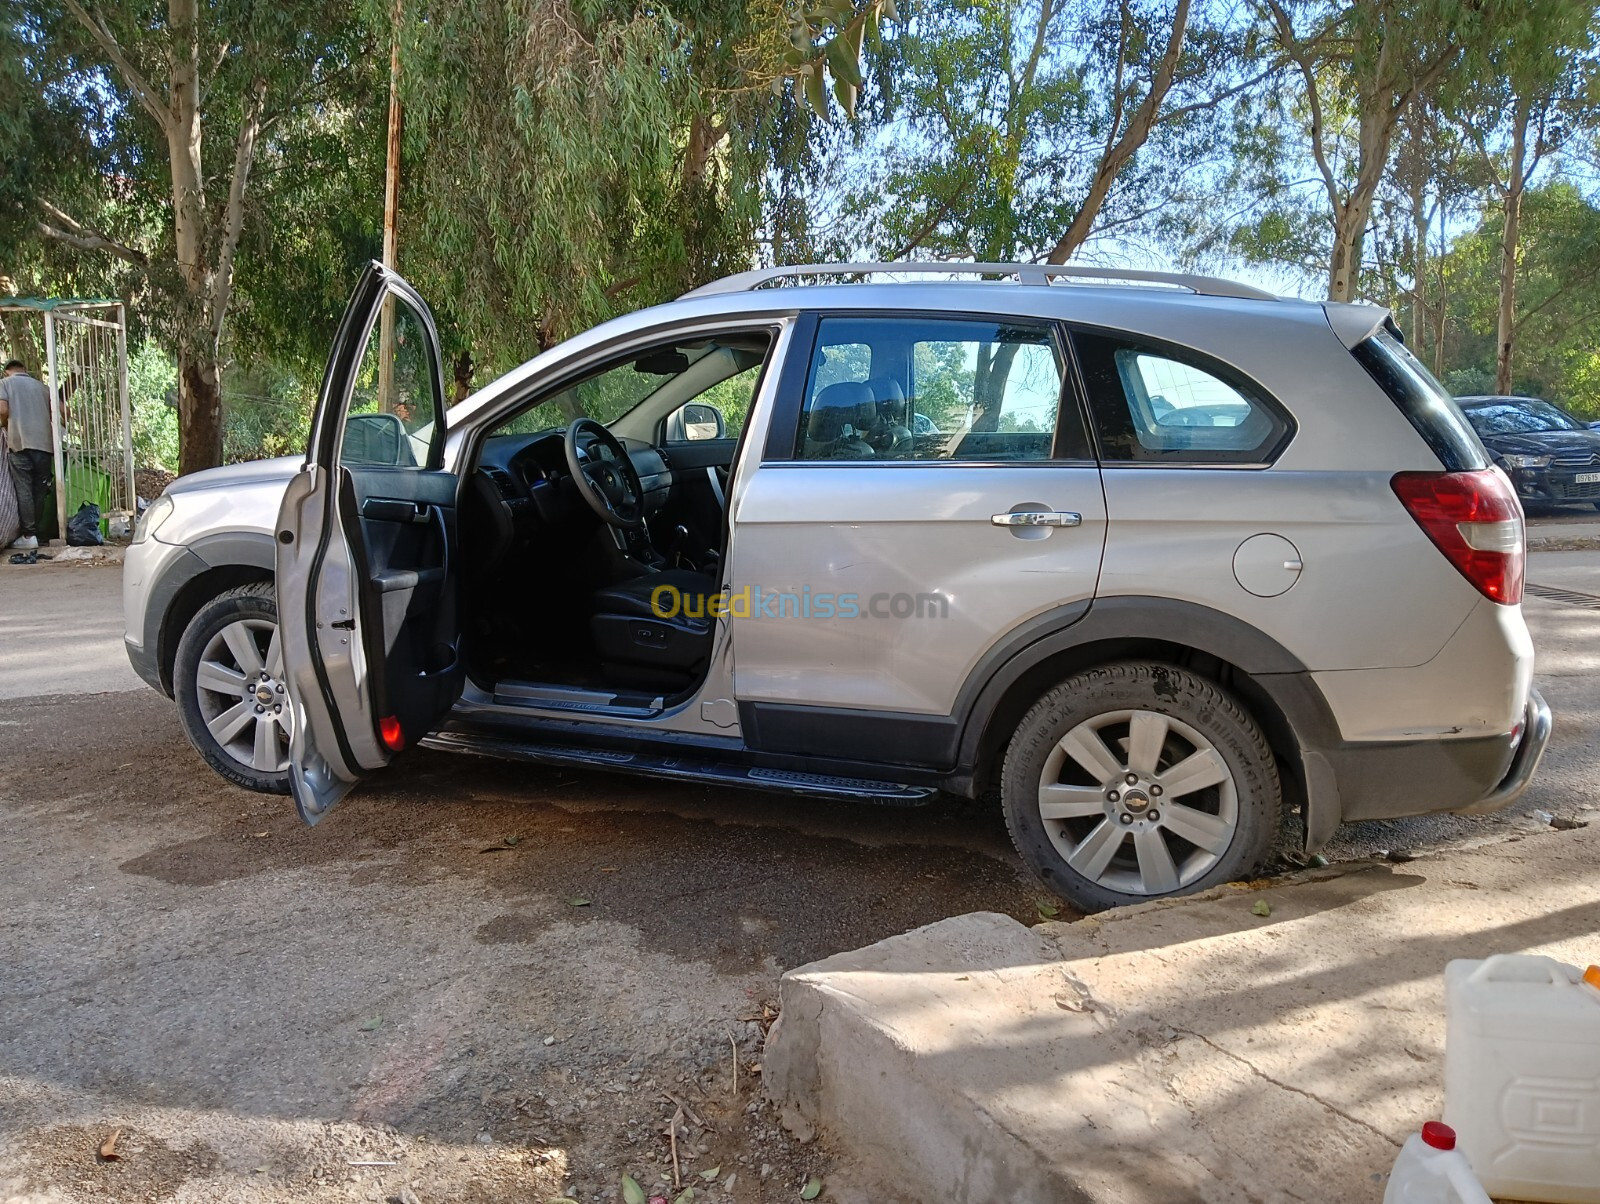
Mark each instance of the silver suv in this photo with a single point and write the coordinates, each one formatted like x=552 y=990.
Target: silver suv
x=1171 y=565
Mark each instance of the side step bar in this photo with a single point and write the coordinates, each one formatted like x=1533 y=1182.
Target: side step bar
x=682 y=768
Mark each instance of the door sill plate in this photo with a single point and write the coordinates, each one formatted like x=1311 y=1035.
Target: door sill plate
x=683 y=768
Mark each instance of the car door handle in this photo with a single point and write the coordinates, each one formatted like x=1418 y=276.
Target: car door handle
x=1037 y=518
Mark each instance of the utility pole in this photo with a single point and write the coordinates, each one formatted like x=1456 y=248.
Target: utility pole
x=391 y=210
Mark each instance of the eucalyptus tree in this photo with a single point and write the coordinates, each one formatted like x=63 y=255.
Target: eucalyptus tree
x=1022 y=128
x=1354 y=69
x=1538 y=91
x=1556 y=328
x=171 y=82
x=563 y=161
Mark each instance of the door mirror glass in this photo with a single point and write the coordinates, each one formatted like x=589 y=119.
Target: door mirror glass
x=696 y=421
x=376 y=439
x=392 y=418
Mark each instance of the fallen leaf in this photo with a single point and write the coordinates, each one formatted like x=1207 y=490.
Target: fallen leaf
x=1047 y=909
x=578 y=902
x=812 y=1189
x=1262 y=908
x=710 y=1175
x=686 y=1196
x=108 y=1147
x=632 y=1193
x=373 y=1025
x=259 y=835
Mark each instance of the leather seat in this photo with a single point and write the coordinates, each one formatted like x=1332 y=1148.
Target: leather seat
x=633 y=596
x=646 y=648
x=840 y=417
x=889 y=435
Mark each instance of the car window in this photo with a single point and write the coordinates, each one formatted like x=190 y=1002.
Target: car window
x=1156 y=404
x=1519 y=418
x=1430 y=410
x=909 y=388
x=390 y=417
x=704 y=379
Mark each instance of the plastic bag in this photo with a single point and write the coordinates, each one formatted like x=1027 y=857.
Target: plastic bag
x=83 y=528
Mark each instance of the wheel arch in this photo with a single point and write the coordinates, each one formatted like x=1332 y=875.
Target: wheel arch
x=1272 y=684
x=228 y=561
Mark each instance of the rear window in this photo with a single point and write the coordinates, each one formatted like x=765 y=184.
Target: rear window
x=1424 y=402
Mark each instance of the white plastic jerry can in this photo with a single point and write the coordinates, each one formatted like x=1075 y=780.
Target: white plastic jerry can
x=1430 y=1170
x=1522 y=1075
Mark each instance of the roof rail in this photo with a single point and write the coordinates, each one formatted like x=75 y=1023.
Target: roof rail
x=1023 y=273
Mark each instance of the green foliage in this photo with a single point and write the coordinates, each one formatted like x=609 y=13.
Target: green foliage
x=1004 y=112
x=1558 y=324
x=152 y=397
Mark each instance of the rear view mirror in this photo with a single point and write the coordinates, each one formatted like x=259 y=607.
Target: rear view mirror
x=695 y=421
x=667 y=362
x=376 y=439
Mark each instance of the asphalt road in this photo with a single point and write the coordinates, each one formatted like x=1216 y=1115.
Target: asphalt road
x=480 y=975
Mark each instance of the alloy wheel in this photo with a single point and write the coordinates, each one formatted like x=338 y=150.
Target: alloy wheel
x=1138 y=802
x=241 y=694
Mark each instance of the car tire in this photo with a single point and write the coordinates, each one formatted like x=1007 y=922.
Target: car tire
x=228 y=683
x=1137 y=781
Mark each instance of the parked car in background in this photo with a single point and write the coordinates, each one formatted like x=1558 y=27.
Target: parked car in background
x=1149 y=630
x=1551 y=457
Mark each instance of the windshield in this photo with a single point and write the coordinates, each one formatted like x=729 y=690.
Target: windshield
x=1519 y=418
x=609 y=394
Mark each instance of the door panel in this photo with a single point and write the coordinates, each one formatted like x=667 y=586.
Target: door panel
x=912 y=538
x=366 y=539
x=877 y=553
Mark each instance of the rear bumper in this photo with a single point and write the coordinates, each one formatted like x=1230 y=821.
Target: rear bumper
x=1524 y=762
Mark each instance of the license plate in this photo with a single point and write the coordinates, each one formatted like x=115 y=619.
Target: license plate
x=1587 y=478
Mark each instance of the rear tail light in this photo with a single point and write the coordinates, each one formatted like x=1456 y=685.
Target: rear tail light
x=1476 y=521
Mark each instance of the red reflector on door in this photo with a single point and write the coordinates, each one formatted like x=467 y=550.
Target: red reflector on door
x=393 y=737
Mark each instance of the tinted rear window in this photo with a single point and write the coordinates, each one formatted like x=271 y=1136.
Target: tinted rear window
x=1424 y=402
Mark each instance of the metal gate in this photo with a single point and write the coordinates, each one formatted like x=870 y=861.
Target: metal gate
x=86 y=369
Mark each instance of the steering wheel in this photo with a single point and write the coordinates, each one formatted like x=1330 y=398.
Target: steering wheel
x=611 y=487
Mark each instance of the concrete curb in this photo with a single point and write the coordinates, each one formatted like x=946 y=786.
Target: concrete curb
x=1183 y=1050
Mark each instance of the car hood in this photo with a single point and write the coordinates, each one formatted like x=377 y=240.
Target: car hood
x=251 y=472
x=1545 y=443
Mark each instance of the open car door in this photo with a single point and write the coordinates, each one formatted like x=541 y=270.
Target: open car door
x=366 y=566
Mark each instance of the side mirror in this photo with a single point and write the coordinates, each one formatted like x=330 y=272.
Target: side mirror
x=376 y=439
x=694 y=422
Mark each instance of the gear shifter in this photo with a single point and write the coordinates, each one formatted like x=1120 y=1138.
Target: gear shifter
x=677 y=541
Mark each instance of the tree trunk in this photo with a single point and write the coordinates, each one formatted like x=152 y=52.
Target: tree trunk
x=1344 y=266
x=1507 y=330
x=1118 y=151
x=199 y=411
x=1419 y=267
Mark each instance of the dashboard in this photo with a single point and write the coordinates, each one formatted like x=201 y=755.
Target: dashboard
x=529 y=474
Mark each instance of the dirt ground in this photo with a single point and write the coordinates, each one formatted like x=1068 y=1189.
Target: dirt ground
x=485 y=982
x=474 y=981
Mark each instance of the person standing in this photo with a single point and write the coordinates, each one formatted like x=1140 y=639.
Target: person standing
x=28 y=448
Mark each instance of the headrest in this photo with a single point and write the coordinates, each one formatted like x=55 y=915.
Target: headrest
x=886 y=388
x=848 y=403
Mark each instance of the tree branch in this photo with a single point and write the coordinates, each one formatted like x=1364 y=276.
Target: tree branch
x=1138 y=132
x=1297 y=54
x=92 y=242
x=148 y=97
x=233 y=216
